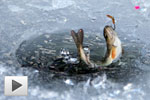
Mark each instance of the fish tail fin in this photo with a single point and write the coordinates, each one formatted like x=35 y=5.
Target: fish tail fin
x=78 y=37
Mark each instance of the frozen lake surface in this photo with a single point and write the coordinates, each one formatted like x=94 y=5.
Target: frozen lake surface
x=24 y=19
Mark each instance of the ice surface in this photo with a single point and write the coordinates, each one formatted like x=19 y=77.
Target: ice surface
x=21 y=19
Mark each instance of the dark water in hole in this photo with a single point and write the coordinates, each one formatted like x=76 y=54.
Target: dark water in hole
x=41 y=51
x=26 y=20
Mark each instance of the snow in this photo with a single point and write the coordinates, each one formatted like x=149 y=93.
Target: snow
x=21 y=19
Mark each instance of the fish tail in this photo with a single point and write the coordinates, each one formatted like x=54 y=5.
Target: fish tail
x=78 y=37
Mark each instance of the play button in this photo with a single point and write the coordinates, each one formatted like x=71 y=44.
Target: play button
x=16 y=85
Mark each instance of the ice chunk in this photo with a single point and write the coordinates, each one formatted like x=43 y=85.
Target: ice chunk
x=69 y=82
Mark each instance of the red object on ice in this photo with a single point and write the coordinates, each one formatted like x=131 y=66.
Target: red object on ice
x=137 y=7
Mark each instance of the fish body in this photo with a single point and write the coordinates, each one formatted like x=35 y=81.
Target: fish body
x=114 y=46
x=113 y=43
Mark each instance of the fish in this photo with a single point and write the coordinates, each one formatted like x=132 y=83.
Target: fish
x=113 y=44
x=78 y=39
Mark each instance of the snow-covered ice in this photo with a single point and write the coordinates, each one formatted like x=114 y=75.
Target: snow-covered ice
x=21 y=19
